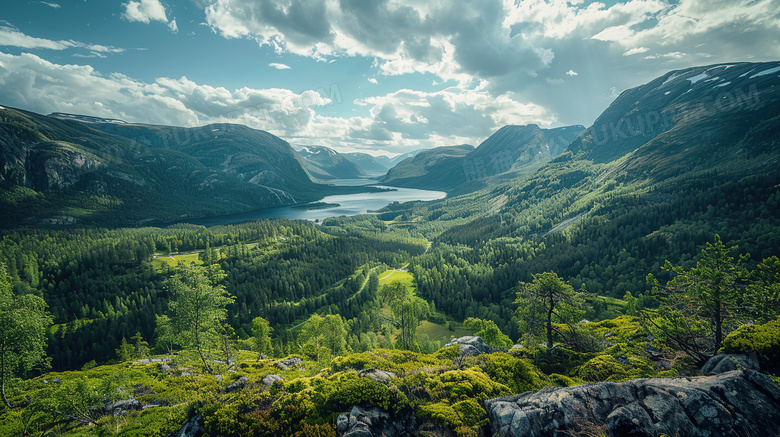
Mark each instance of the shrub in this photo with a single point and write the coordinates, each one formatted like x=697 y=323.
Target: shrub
x=602 y=368
x=763 y=339
x=440 y=413
x=517 y=374
x=471 y=413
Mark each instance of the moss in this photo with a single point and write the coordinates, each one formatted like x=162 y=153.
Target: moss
x=559 y=360
x=762 y=339
x=517 y=374
x=626 y=328
x=602 y=368
x=471 y=413
x=441 y=414
x=562 y=380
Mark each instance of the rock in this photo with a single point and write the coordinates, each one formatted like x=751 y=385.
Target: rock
x=153 y=360
x=270 y=379
x=238 y=384
x=471 y=345
x=191 y=428
x=342 y=423
x=517 y=347
x=722 y=363
x=377 y=375
x=185 y=373
x=123 y=406
x=289 y=362
x=373 y=422
x=745 y=403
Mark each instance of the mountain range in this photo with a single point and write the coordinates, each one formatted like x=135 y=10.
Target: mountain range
x=508 y=153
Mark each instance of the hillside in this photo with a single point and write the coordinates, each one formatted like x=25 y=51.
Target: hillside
x=325 y=163
x=67 y=169
x=508 y=153
x=605 y=225
x=431 y=168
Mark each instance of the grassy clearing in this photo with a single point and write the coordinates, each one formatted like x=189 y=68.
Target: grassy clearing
x=174 y=260
x=440 y=332
x=389 y=276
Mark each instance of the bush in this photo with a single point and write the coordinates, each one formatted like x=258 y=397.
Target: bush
x=602 y=368
x=440 y=413
x=517 y=374
x=471 y=413
x=762 y=339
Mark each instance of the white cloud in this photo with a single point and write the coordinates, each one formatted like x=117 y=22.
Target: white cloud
x=51 y=5
x=146 y=11
x=571 y=73
x=372 y=80
x=635 y=51
x=279 y=66
x=10 y=36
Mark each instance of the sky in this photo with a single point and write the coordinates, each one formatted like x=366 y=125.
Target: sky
x=374 y=76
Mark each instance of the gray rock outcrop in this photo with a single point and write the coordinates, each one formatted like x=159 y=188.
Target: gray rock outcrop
x=370 y=422
x=723 y=363
x=744 y=403
x=471 y=345
x=377 y=375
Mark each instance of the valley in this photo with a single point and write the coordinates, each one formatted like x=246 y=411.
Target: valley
x=442 y=295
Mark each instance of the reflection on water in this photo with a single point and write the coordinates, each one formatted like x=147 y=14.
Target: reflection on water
x=349 y=204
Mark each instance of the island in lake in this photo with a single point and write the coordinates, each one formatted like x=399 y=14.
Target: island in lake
x=316 y=205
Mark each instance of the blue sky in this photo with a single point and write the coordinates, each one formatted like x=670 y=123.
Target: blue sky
x=384 y=76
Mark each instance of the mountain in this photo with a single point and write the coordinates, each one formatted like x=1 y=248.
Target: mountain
x=325 y=163
x=613 y=208
x=509 y=152
x=369 y=163
x=398 y=158
x=65 y=169
x=431 y=168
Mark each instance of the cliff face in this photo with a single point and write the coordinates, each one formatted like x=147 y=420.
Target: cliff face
x=744 y=403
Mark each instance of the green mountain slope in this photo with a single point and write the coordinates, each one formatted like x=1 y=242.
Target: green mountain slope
x=62 y=170
x=508 y=153
x=607 y=213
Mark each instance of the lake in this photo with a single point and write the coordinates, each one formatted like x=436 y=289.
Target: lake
x=349 y=204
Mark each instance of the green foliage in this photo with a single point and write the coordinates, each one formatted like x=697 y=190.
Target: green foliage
x=327 y=332
x=440 y=413
x=488 y=330
x=198 y=307
x=602 y=368
x=23 y=324
x=762 y=339
x=471 y=413
x=261 y=337
x=517 y=374
x=408 y=310
x=547 y=300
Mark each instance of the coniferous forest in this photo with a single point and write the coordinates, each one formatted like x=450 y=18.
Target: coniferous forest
x=617 y=280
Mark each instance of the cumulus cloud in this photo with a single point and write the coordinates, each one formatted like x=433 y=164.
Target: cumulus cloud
x=571 y=73
x=29 y=82
x=146 y=11
x=373 y=80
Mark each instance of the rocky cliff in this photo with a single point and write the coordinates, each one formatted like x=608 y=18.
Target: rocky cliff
x=737 y=403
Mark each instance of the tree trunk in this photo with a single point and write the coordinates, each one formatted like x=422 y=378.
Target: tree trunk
x=549 y=326
x=2 y=380
x=718 y=326
x=202 y=358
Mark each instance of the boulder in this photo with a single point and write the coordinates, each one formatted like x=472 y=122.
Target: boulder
x=377 y=375
x=289 y=362
x=744 y=403
x=471 y=345
x=371 y=422
x=270 y=379
x=723 y=363
x=123 y=406
x=238 y=384
x=153 y=360
x=191 y=428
